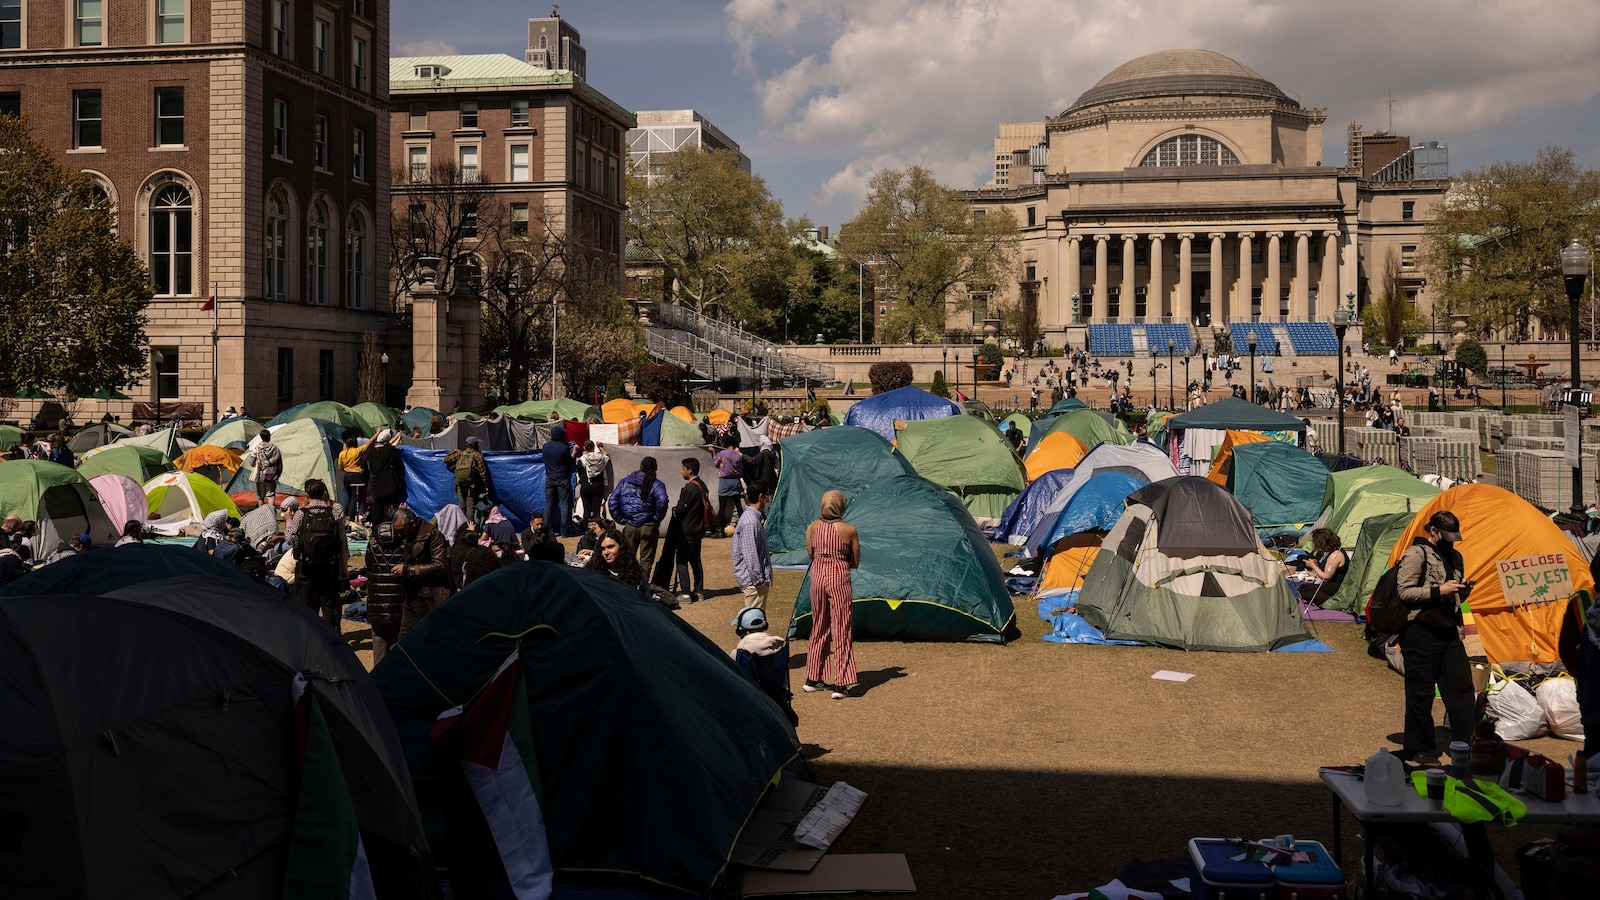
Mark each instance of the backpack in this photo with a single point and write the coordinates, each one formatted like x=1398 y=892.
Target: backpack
x=318 y=536
x=464 y=466
x=710 y=515
x=1387 y=614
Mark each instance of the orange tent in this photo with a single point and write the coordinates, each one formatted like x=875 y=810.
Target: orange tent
x=209 y=455
x=620 y=410
x=1061 y=450
x=718 y=418
x=1219 y=467
x=1065 y=570
x=1498 y=525
x=683 y=413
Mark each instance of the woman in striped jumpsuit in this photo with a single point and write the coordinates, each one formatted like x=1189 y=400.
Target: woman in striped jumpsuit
x=835 y=550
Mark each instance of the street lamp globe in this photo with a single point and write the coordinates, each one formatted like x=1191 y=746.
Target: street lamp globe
x=1575 y=266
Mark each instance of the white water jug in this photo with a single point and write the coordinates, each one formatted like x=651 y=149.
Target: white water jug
x=1385 y=779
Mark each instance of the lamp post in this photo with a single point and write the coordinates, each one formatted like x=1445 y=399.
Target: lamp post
x=974 y=372
x=1186 y=381
x=1575 y=270
x=1503 y=339
x=1341 y=323
x=1171 y=348
x=755 y=378
x=944 y=364
x=1250 y=341
x=1076 y=316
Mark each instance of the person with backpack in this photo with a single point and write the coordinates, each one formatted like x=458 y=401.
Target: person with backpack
x=472 y=478
x=321 y=553
x=680 y=554
x=1430 y=584
x=268 y=462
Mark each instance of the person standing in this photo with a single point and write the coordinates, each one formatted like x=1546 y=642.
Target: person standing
x=752 y=561
x=386 y=477
x=639 y=503
x=321 y=553
x=558 y=468
x=424 y=565
x=680 y=555
x=268 y=460
x=386 y=590
x=353 y=471
x=592 y=480
x=835 y=549
x=730 y=484
x=1430 y=581
x=472 y=478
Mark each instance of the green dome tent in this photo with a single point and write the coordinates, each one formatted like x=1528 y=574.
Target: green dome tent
x=310 y=449
x=1183 y=568
x=325 y=411
x=967 y=457
x=418 y=417
x=675 y=432
x=1089 y=427
x=60 y=499
x=138 y=463
x=1355 y=495
x=652 y=747
x=375 y=417
x=1369 y=559
x=10 y=437
x=844 y=458
x=927 y=573
x=238 y=431
x=166 y=440
x=1281 y=485
x=540 y=410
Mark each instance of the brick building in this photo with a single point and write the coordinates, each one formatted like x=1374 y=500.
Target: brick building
x=242 y=144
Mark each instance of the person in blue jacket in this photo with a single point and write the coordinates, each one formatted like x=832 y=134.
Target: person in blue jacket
x=639 y=503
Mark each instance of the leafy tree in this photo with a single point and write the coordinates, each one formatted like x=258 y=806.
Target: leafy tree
x=992 y=360
x=616 y=386
x=72 y=295
x=887 y=376
x=1470 y=355
x=1391 y=317
x=939 y=388
x=928 y=243
x=1494 y=250
x=666 y=383
x=814 y=295
x=715 y=229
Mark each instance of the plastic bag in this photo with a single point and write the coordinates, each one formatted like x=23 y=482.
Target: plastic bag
x=1558 y=699
x=1517 y=715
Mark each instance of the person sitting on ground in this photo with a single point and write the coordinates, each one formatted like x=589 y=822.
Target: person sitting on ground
x=482 y=557
x=593 y=531
x=132 y=533
x=765 y=658
x=500 y=529
x=616 y=558
x=1329 y=562
x=12 y=565
x=536 y=533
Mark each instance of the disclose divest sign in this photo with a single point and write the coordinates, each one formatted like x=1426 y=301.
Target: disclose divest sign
x=1535 y=580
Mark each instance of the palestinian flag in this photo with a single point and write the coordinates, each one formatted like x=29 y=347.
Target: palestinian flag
x=326 y=858
x=494 y=741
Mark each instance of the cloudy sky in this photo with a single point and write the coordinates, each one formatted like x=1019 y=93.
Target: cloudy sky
x=820 y=93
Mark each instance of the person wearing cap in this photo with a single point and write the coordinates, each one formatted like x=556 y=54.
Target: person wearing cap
x=765 y=658
x=472 y=477
x=1430 y=581
x=752 y=560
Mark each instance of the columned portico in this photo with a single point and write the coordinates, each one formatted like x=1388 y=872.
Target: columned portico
x=1126 y=308
x=1156 y=302
x=1300 y=301
x=1183 y=307
x=1246 y=284
x=1102 y=299
x=1271 y=289
x=1328 y=288
x=1074 y=263
x=1219 y=300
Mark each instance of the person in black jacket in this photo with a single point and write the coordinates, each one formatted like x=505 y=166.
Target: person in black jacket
x=386 y=591
x=680 y=553
x=386 y=477
x=1430 y=581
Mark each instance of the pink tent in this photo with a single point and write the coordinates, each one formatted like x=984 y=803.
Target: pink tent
x=122 y=498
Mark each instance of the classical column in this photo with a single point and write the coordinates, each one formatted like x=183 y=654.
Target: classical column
x=1328 y=298
x=1127 y=275
x=1101 y=297
x=1247 y=279
x=1270 y=288
x=428 y=342
x=1219 y=303
x=1074 y=274
x=1300 y=302
x=1183 y=307
x=1156 y=294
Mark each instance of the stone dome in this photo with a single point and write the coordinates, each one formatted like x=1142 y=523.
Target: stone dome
x=1170 y=73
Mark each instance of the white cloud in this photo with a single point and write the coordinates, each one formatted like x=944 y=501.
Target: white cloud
x=426 y=48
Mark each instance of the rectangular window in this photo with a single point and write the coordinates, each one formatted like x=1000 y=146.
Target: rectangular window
x=1141 y=253
x=86 y=23
x=86 y=113
x=11 y=103
x=469 y=114
x=1033 y=214
x=169 y=117
x=579 y=169
x=359 y=7
x=280 y=129
x=1408 y=210
x=469 y=163
x=358 y=64
x=1028 y=273
x=280 y=28
x=358 y=154
x=611 y=180
x=417 y=162
x=1140 y=309
x=520 y=168
x=321 y=33
x=469 y=223
x=167 y=373
x=1256 y=252
x=519 y=114
x=1114 y=302
x=519 y=219
x=285 y=374
x=1408 y=256
x=10 y=24
x=319 y=137
x=1086 y=253
x=418 y=217
x=325 y=374
x=980 y=308
x=170 y=21
x=419 y=117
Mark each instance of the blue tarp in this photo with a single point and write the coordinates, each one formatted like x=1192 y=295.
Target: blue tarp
x=1070 y=628
x=1019 y=519
x=518 y=482
x=1097 y=504
x=650 y=434
x=879 y=412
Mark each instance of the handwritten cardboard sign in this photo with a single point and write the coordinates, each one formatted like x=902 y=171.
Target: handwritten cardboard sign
x=1539 y=579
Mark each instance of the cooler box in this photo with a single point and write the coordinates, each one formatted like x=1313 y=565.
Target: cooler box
x=1216 y=875
x=1311 y=874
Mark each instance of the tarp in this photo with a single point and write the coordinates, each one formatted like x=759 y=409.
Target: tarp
x=540 y=410
x=190 y=698
x=1096 y=505
x=836 y=458
x=60 y=499
x=650 y=429
x=1022 y=516
x=87 y=438
x=518 y=478
x=326 y=411
x=310 y=449
x=1233 y=413
x=131 y=565
x=1222 y=463
x=1060 y=450
x=1182 y=568
x=122 y=498
x=177 y=499
x=235 y=432
x=1355 y=495
x=967 y=457
x=879 y=412
x=1089 y=427
x=138 y=463
x=1498 y=525
x=375 y=417
x=1282 y=486
x=926 y=574
x=1140 y=458
x=669 y=469
x=653 y=748
x=1369 y=558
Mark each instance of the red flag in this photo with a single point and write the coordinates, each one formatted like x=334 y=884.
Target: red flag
x=210 y=304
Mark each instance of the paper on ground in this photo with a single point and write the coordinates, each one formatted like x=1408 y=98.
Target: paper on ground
x=1165 y=675
x=823 y=823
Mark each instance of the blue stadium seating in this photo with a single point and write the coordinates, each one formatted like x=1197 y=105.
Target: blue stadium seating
x=1313 y=338
x=1111 y=339
x=1157 y=335
x=1266 y=342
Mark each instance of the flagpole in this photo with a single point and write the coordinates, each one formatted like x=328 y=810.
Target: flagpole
x=216 y=318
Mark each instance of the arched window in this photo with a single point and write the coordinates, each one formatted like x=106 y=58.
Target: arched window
x=277 y=247
x=1189 y=150
x=355 y=259
x=317 y=255
x=172 y=241
x=543 y=43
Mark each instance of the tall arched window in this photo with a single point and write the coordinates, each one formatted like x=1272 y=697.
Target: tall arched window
x=1189 y=150
x=277 y=247
x=317 y=255
x=172 y=241
x=355 y=259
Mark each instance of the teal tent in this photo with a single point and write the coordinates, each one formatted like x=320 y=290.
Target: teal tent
x=1369 y=558
x=1237 y=415
x=375 y=416
x=966 y=456
x=418 y=417
x=235 y=432
x=651 y=746
x=1281 y=485
x=287 y=415
x=1066 y=404
x=926 y=574
x=842 y=458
